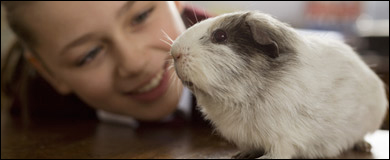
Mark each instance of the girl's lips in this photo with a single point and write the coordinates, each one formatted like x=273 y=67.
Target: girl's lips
x=156 y=92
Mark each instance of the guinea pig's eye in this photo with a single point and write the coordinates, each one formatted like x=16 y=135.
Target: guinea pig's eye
x=219 y=36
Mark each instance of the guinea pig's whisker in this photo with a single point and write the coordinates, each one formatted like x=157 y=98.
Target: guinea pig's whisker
x=166 y=42
x=192 y=23
x=172 y=76
x=204 y=13
x=174 y=82
x=167 y=36
x=170 y=67
x=193 y=10
x=171 y=80
x=177 y=82
x=170 y=62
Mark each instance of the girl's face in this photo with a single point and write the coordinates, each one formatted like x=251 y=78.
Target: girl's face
x=109 y=53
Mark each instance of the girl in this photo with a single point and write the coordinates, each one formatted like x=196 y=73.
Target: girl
x=107 y=54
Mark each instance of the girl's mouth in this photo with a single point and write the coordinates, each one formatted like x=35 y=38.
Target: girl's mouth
x=154 y=89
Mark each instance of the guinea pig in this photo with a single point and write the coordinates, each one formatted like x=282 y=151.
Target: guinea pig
x=275 y=93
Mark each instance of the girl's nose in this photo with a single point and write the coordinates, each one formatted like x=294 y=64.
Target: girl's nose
x=130 y=63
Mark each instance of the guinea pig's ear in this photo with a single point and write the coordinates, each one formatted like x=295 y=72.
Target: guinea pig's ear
x=262 y=37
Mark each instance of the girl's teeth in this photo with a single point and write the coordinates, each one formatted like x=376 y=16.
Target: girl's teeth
x=153 y=84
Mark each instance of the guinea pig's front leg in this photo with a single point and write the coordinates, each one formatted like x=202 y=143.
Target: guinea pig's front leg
x=362 y=146
x=248 y=154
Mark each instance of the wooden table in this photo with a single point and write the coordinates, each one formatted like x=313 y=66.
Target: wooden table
x=89 y=138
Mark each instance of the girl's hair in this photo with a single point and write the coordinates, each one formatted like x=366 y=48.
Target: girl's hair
x=27 y=94
x=14 y=73
x=14 y=15
x=24 y=91
x=14 y=69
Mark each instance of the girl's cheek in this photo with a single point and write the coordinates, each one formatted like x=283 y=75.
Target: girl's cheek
x=92 y=84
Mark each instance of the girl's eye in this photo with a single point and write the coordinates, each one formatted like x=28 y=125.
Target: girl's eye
x=142 y=16
x=90 y=56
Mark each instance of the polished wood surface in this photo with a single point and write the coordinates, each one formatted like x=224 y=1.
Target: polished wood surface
x=88 y=138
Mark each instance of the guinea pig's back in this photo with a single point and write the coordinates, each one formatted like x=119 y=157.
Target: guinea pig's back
x=349 y=84
x=347 y=99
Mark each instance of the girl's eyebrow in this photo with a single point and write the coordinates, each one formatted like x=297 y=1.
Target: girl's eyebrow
x=90 y=36
x=77 y=42
x=124 y=8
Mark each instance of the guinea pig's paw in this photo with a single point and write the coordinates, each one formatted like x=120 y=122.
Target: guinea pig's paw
x=248 y=154
x=275 y=156
x=362 y=146
x=266 y=156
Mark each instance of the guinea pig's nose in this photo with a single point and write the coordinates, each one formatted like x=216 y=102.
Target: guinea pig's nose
x=176 y=56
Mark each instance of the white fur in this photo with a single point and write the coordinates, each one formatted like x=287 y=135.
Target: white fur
x=319 y=108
